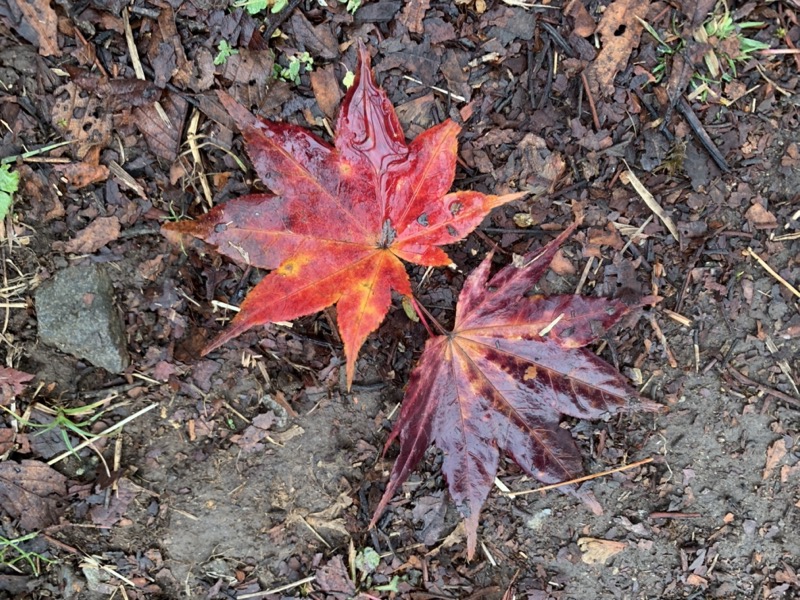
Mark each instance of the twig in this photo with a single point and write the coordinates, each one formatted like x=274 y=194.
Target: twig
x=276 y=590
x=636 y=234
x=558 y=38
x=584 y=276
x=592 y=107
x=581 y=479
x=772 y=272
x=767 y=390
x=785 y=237
x=674 y=515
x=662 y=338
x=686 y=110
x=455 y=97
x=683 y=320
x=783 y=91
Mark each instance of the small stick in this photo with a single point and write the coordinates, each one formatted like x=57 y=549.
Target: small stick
x=592 y=107
x=455 y=97
x=767 y=390
x=661 y=338
x=584 y=275
x=558 y=39
x=783 y=91
x=29 y=156
x=785 y=237
x=774 y=51
x=636 y=234
x=581 y=479
x=279 y=589
x=686 y=110
x=227 y=405
x=49 y=159
x=548 y=328
x=772 y=272
x=674 y=515
x=314 y=531
x=276 y=22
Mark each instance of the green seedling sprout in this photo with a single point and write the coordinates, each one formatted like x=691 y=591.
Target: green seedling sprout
x=225 y=52
x=64 y=421
x=256 y=6
x=292 y=73
x=721 y=66
x=9 y=183
x=11 y=553
x=720 y=28
x=352 y=5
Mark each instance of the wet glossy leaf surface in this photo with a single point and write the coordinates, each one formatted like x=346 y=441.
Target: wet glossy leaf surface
x=501 y=381
x=343 y=218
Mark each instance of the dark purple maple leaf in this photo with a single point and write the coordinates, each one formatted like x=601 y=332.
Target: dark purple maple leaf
x=501 y=381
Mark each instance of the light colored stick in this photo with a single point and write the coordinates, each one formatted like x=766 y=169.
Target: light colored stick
x=773 y=272
x=91 y=440
x=282 y=588
x=580 y=479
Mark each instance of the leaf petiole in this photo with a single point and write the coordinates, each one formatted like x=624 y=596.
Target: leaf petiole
x=423 y=312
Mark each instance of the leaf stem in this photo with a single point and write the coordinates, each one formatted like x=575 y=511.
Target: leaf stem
x=423 y=312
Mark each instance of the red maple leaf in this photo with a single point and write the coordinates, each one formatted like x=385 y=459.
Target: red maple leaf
x=343 y=218
x=500 y=381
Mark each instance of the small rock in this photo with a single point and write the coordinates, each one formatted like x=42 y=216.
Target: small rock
x=76 y=314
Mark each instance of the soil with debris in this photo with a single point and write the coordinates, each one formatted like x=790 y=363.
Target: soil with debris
x=251 y=473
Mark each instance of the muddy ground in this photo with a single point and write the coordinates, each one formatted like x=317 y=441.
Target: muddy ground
x=254 y=470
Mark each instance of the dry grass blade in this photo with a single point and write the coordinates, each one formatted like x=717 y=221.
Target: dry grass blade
x=91 y=440
x=191 y=139
x=630 y=177
x=132 y=50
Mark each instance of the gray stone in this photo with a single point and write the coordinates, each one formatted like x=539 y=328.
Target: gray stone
x=76 y=314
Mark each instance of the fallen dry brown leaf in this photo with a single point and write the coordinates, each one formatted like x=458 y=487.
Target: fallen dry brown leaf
x=598 y=551
x=619 y=32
